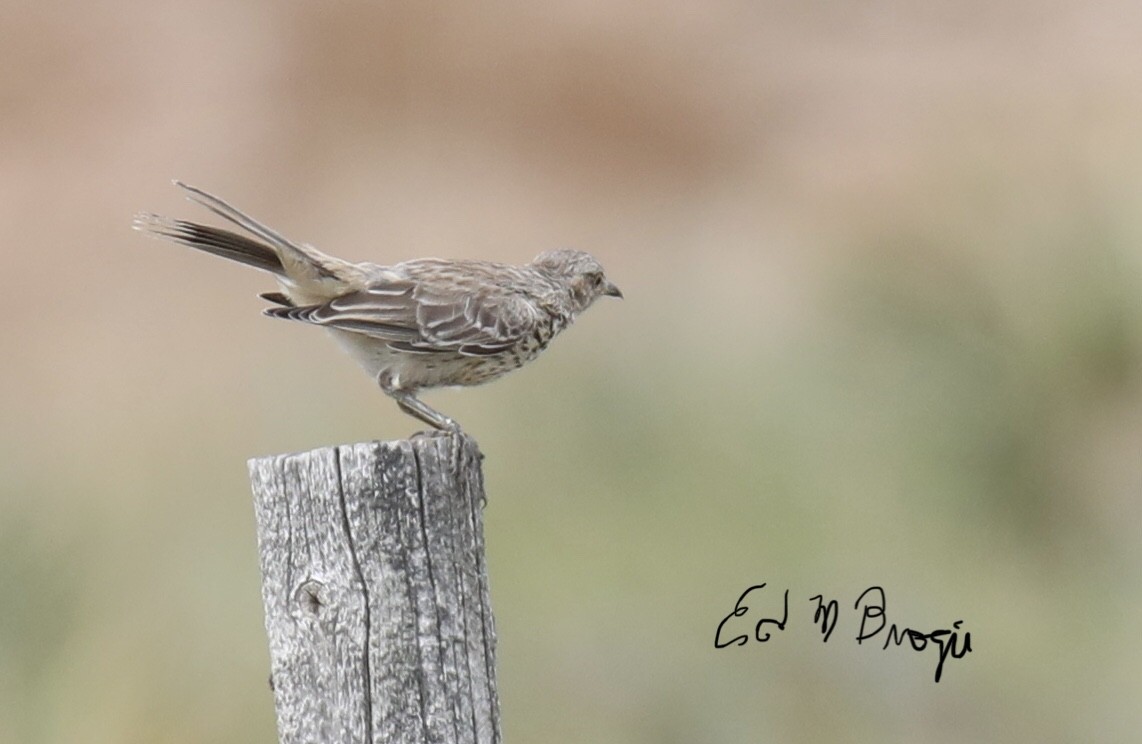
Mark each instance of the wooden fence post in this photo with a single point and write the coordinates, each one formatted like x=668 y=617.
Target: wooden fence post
x=376 y=593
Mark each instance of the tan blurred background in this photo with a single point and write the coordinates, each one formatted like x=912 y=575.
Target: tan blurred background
x=883 y=268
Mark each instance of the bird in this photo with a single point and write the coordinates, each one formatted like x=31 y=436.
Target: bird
x=414 y=325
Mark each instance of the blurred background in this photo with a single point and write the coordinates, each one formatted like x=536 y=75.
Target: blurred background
x=883 y=326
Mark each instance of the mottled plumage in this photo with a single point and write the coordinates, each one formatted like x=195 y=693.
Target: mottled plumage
x=417 y=324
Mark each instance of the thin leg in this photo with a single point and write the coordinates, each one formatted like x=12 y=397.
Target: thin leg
x=413 y=406
x=417 y=408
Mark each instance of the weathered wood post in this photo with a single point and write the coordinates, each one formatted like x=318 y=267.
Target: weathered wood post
x=376 y=593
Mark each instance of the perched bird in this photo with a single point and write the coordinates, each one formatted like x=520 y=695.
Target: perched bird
x=413 y=325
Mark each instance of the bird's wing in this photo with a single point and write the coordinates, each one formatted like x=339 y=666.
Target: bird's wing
x=422 y=317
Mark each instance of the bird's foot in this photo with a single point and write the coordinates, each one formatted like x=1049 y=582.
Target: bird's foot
x=455 y=435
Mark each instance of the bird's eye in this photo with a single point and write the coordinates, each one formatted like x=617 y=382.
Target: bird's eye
x=596 y=279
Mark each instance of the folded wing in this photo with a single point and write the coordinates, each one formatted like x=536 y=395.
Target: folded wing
x=470 y=318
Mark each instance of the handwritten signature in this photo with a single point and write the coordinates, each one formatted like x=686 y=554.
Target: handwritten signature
x=872 y=605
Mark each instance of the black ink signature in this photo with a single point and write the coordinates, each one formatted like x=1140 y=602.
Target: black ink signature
x=872 y=605
x=876 y=608
x=742 y=608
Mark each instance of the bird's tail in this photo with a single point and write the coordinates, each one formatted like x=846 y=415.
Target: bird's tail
x=312 y=273
x=212 y=240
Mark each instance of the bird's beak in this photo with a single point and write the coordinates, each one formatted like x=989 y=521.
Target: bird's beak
x=611 y=290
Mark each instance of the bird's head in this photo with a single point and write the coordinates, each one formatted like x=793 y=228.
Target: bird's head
x=581 y=273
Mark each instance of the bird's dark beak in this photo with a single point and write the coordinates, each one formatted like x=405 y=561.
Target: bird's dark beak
x=611 y=290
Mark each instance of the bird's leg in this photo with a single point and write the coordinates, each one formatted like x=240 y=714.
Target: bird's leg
x=413 y=406
x=417 y=408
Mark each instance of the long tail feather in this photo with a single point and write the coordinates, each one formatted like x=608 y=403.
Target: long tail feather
x=212 y=240
x=239 y=218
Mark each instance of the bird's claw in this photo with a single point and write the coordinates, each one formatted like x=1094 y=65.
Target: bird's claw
x=454 y=434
